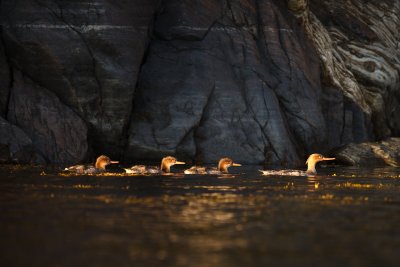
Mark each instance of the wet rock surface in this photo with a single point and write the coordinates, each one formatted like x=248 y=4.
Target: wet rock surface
x=261 y=81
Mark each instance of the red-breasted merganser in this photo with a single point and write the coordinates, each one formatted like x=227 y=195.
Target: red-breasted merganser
x=312 y=160
x=100 y=166
x=165 y=167
x=223 y=166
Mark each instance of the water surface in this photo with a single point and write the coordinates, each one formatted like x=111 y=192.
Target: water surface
x=343 y=217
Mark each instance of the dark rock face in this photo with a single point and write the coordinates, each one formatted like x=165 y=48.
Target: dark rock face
x=41 y=115
x=218 y=92
x=260 y=81
x=15 y=145
x=87 y=53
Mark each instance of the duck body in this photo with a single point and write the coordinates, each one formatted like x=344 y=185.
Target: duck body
x=284 y=172
x=83 y=169
x=143 y=169
x=311 y=162
x=196 y=170
x=222 y=168
x=203 y=170
x=99 y=167
x=165 y=167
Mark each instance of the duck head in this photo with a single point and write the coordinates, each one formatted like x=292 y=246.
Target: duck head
x=103 y=161
x=225 y=163
x=312 y=160
x=169 y=161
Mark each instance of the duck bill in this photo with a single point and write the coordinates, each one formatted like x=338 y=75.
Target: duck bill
x=114 y=161
x=180 y=162
x=328 y=158
x=236 y=164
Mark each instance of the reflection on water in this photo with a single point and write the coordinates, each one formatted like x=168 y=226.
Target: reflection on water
x=350 y=217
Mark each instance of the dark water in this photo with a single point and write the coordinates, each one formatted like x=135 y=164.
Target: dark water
x=349 y=218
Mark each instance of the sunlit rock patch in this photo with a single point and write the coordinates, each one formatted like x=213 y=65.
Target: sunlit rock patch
x=357 y=43
x=386 y=152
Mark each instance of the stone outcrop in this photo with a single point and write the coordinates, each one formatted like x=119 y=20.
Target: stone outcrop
x=386 y=152
x=261 y=81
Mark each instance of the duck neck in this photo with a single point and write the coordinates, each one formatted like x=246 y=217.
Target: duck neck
x=311 y=168
x=100 y=165
x=223 y=168
x=165 y=167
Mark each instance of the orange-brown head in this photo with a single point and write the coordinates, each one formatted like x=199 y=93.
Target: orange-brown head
x=102 y=161
x=312 y=160
x=225 y=163
x=169 y=161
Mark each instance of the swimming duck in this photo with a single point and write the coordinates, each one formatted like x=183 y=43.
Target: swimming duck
x=100 y=166
x=223 y=166
x=312 y=160
x=165 y=167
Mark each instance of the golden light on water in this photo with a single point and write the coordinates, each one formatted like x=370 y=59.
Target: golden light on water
x=167 y=218
x=83 y=186
x=327 y=196
x=361 y=186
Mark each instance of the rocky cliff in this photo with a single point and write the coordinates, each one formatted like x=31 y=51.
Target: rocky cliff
x=261 y=81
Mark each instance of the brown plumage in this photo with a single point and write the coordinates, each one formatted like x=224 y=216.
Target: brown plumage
x=165 y=167
x=223 y=166
x=312 y=160
x=100 y=166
